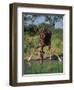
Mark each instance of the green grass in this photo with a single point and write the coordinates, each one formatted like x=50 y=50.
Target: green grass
x=47 y=67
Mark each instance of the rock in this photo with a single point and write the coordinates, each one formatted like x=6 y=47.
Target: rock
x=54 y=57
x=61 y=56
x=57 y=57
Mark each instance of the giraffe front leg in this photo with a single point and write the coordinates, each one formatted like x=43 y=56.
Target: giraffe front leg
x=30 y=57
x=41 y=55
x=49 y=51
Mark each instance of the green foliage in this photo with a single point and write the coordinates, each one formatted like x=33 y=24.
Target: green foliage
x=57 y=41
x=31 y=29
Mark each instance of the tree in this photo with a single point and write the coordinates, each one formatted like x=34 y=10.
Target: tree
x=52 y=19
x=30 y=18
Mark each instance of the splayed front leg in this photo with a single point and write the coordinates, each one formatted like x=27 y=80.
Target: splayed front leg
x=49 y=51
x=41 y=55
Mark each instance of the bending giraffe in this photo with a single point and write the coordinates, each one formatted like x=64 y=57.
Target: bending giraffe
x=45 y=40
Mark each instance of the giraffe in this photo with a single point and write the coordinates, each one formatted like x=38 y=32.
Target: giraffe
x=45 y=40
